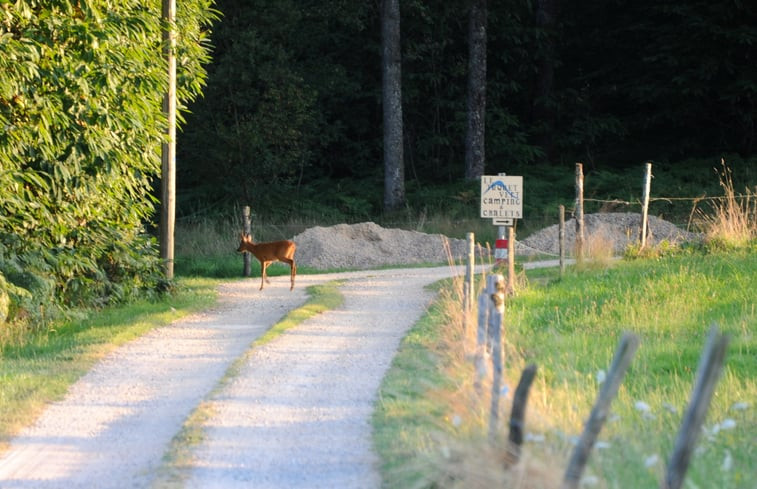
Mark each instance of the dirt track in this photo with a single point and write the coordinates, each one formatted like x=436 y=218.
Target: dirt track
x=297 y=415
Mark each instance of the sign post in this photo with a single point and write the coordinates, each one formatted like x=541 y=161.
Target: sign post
x=502 y=198
x=502 y=202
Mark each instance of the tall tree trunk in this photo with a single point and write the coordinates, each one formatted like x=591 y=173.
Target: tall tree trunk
x=543 y=112
x=394 y=167
x=475 y=153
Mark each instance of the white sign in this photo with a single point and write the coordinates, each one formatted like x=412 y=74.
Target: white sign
x=501 y=197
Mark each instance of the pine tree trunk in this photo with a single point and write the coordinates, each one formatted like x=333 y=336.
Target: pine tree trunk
x=394 y=167
x=475 y=154
x=543 y=114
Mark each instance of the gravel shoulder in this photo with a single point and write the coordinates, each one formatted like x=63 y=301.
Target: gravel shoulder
x=297 y=415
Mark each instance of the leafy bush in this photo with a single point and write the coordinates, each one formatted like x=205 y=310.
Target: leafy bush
x=81 y=87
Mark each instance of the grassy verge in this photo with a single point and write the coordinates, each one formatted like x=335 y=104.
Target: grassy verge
x=40 y=370
x=431 y=425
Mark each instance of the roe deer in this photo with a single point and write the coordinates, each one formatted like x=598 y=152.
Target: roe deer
x=266 y=253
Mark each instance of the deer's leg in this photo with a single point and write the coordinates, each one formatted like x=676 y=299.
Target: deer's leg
x=263 y=266
x=293 y=271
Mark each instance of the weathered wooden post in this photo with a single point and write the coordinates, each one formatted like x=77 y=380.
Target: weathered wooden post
x=168 y=148
x=627 y=347
x=562 y=240
x=518 y=413
x=579 y=212
x=708 y=374
x=247 y=226
x=645 y=206
x=468 y=285
x=483 y=321
x=496 y=284
x=511 y=260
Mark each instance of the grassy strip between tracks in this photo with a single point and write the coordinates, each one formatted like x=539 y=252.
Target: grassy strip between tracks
x=178 y=459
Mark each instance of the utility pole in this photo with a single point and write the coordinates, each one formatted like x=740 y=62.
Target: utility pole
x=168 y=150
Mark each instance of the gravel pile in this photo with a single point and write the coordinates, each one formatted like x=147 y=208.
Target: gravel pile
x=368 y=245
x=620 y=230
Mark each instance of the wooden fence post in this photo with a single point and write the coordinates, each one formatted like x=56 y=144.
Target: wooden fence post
x=518 y=413
x=483 y=321
x=496 y=314
x=627 y=347
x=645 y=205
x=579 y=212
x=247 y=225
x=511 y=260
x=468 y=285
x=561 y=237
x=708 y=374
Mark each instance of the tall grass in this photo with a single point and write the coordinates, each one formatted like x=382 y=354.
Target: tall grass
x=569 y=327
x=732 y=220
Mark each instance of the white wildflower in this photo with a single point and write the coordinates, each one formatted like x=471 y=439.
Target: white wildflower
x=727 y=462
x=644 y=409
x=642 y=406
x=601 y=376
x=534 y=437
x=651 y=460
x=602 y=444
x=457 y=420
x=740 y=406
x=670 y=408
x=727 y=424
x=589 y=481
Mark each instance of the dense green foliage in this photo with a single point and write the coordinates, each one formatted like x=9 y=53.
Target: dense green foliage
x=291 y=123
x=81 y=123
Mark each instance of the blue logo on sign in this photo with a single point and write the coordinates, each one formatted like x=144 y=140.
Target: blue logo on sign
x=500 y=185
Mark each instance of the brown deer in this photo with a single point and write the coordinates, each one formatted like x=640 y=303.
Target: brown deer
x=266 y=253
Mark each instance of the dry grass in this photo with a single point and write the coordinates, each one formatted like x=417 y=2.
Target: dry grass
x=465 y=456
x=732 y=219
x=598 y=251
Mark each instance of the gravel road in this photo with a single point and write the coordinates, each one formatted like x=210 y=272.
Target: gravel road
x=296 y=416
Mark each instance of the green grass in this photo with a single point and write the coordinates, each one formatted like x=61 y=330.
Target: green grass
x=570 y=328
x=41 y=369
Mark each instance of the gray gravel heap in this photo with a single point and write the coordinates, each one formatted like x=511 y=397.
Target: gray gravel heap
x=367 y=245
x=621 y=230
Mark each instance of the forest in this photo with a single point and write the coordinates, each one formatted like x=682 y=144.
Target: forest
x=282 y=108
x=291 y=119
